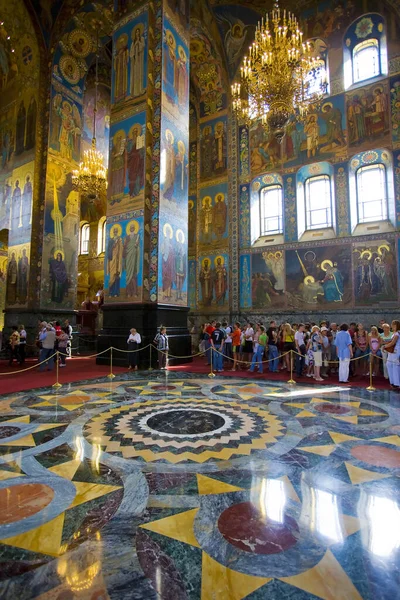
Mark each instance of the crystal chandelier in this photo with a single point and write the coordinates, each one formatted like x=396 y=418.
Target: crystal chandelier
x=281 y=78
x=90 y=179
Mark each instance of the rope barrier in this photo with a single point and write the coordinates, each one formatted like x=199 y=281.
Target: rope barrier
x=211 y=349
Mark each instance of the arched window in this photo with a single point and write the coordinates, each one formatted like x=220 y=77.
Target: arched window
x=318 y=202
x=271 y=212
x=84 y=241
x=365 y=50
x=372 y=196
x=318 y=78
x=366 y=62
x=101 y=236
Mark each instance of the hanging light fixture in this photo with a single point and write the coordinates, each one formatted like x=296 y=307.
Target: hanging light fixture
x=90 y=179
x=281 y=78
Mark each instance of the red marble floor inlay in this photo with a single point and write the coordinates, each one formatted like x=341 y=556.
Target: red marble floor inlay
x=21 y=501
x=244 y=526
x=7 y=431
x=378 y=456
x=334 y=409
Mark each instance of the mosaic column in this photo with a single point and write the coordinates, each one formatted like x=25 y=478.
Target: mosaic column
x=146 y=266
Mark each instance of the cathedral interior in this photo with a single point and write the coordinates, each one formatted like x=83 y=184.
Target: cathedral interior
x=167 y=485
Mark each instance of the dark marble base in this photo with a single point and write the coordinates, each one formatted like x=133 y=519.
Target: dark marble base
x=118 y=319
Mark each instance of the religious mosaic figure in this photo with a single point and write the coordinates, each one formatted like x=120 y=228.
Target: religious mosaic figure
x=114 y=261
x=182 y=77
x=16 y=207
x=206 y=219
x=219 y=140
x=220 y=213
x=168 y=261
x=207 y=153
x=12 y=275
x=333 y=119
x=31 y=125
x=332 y=283
x=135 y=161
x=192 y=223
x=170 y=58
x=131 y=256
x=137 y=56
x=311 y=130
x=118 y=164
x=206 y=282
x=121 y=67
x=27 y=202
x=58 y=278
x=70 y=126
x=20 y=132
x=180 y=263
x=220 y=281
x=22 y=277
x=169 y=153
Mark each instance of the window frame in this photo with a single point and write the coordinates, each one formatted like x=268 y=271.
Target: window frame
x=307 y=186
x=383 y=169
x=101 y=236
x=279 y=216
x=374 y=42
x=82 y=239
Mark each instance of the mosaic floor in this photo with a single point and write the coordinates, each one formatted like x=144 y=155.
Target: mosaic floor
x=185 y=488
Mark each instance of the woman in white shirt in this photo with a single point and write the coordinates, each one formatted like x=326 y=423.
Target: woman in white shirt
x=133 y=341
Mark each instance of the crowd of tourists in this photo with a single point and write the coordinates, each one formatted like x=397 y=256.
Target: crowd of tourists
x=313 y=350
x=50 y=338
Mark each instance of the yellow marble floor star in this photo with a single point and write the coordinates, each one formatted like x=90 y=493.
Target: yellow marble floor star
x=74 y=400
x=307 y=410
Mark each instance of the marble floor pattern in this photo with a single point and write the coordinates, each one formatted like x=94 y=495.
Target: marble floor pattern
x=180 y=487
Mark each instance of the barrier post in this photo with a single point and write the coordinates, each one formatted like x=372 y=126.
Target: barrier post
x=291 y=380
x=211 y=373
x=150 y=351
x=111 y=374
x=57 y=384
x=371 y=387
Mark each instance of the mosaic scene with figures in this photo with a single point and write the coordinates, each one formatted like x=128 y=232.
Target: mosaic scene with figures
x=199 y=300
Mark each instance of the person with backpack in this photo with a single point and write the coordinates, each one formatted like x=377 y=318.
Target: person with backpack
x=217 y=345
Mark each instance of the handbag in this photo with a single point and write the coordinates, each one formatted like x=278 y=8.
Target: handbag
x=389 y=350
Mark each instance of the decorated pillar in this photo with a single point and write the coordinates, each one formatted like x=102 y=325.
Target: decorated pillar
x=145 y=276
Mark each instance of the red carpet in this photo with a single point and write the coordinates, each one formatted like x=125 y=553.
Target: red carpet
x=81 y=368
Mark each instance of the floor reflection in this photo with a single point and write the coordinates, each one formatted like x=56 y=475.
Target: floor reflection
x=185 y=488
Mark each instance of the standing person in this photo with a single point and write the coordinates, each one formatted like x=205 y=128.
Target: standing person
x=69 y=346
x=325 y=351
x=362 y=349
x=63 y=340
x=374 y=341
x=48 y=339
x=14 y=346
x=300 y=349
x=393 y=349
x=287 y=336
x=248 y=344
x=316 y=346
x=259 y=353
x=217 y=344
x=332 y=338
x=256 y=335
x=236 y=335
x=209 y=329
x=228 y=341
x=344 y=349
x=386 y=337
x=22 y=344
x=161 y=340
x=272 y=347
x=133 y=342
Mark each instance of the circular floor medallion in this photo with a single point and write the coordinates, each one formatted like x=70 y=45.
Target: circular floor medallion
x=21 y=501
x=245 y=527
x=377 y=456
x=186 y=422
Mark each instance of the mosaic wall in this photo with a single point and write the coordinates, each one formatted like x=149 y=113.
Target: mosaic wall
x=359 y=124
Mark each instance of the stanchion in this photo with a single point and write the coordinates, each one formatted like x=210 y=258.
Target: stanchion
x=57 y=384
x=291 y=380
x=111 y=374
x=211 y=373
x=150 y=350
x=370 y=388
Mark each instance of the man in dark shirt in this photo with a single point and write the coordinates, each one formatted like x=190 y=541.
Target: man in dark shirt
x=217 y=344
x=272 y=347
